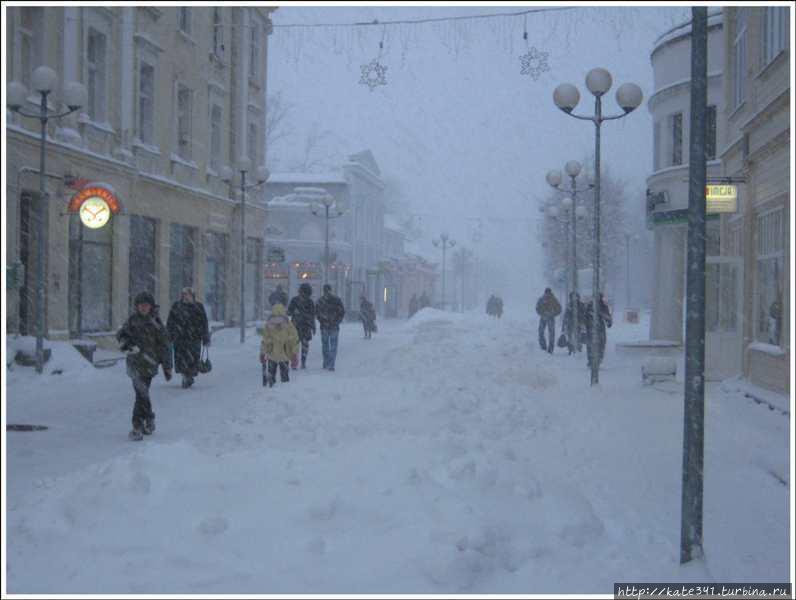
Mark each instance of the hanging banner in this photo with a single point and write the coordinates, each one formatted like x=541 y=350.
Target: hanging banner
x=721 y=198
x=95 y=203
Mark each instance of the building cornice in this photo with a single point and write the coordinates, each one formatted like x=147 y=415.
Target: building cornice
x=672 y=89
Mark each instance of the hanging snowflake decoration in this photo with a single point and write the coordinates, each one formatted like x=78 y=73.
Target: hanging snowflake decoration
x=534 y=63
x=373 y=74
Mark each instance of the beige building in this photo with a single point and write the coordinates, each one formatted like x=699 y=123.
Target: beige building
x=174 y=95
x=755 y=148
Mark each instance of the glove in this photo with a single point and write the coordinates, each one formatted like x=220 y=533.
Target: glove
x=167 y=374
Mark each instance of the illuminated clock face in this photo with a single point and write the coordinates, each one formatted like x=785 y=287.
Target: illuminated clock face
x=94 y=212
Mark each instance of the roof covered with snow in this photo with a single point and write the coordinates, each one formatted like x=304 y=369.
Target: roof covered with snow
x=314 y=178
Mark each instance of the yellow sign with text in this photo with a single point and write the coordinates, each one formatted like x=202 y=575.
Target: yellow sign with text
x=721 y=198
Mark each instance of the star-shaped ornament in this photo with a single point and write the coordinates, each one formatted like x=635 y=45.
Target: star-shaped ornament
x=534 y=63
x=373 y=74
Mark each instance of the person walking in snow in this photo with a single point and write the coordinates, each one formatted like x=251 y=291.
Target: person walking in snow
x=330 y=313
x=498 y=306
x=188 y=329
x=604 y=319
x=491 y=309
x=548 y=308
x=146 y=343
x=279 y=345
x=572 y=328
x=278 y=296
x=302 y=313
x=368 y=315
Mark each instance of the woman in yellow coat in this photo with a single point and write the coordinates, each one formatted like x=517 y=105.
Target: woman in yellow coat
x=280 y=344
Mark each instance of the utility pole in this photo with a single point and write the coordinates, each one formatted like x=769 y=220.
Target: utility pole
x=694 y=410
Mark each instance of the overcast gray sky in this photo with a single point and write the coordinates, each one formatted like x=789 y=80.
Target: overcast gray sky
x=457 y=126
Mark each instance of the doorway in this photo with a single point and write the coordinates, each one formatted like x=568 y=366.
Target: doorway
x=723 y=317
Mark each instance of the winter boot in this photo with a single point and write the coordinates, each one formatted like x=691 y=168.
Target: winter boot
x=136 y=435
x=185 y=384
x=149 y=426
x=303 y=362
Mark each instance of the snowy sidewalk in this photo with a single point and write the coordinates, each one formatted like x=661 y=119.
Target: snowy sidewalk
x=446 y=455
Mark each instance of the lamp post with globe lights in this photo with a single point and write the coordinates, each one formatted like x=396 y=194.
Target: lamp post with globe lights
x=445 y=243
x=566 y=97
x=323 y=205
x=44 y=80
x=262 y=174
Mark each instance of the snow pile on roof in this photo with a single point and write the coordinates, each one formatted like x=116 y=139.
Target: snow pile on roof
x=332 y=177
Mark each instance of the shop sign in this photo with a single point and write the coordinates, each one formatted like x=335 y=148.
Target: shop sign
x=721 y=198
x=95 y=204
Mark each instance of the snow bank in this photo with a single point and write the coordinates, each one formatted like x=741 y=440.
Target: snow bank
x=65 y=360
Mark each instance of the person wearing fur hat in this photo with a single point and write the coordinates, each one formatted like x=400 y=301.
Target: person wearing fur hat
x=302 y=312
x=146 y=342
x=279 y=345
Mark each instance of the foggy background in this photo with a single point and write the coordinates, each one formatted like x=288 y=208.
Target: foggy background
x=458 y=132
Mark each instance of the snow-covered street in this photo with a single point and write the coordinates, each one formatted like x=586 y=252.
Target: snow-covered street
x=448 y=454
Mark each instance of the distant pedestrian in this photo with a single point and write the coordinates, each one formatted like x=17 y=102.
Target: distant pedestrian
x=279 y=345
x=146 y=343
x=188 y=329
x=604 y=319
x=573 y=328
x=548 y=308
x=278 y=296
x=498 y=306
x=330 y=313
x=302 y=312
x=491 y=307
x=368 y=315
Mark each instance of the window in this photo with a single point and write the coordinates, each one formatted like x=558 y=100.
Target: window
x=146 y=102
x=739 y=57
x=677 y=139
x=30 y=40
x=215 y=138
x=184 y=102
x=710 y=133
x=770 y=274
x=90 y=268
x=143 y=267
x=251 y=143
x=181 y=258
x=215 y=274
x=254 y=259
x=254 y=50
x=185 y=20
x=775 y=32
x=218 y=33
x=656 y=149
x=97 y=75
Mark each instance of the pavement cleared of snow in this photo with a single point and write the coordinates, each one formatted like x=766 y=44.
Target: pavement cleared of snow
x=448 y=454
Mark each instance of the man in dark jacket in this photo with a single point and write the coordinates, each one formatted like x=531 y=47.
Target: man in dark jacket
x=145 y=340
x=302 y=312
x=278 y=296
x=573 y=323
x=330 y=315
x=548 y=308
x=188 y=329
x=604 y=318
x=368 y=315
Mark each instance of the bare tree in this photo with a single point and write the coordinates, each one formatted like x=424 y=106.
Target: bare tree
x=277 y=126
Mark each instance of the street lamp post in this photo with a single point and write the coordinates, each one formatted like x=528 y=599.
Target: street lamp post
x=244 y=165
x=44 y=79
x=443 y=242
x=327 y=201
x=569 y=204
x=566 y=97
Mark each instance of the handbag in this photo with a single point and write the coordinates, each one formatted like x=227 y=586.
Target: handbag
x=205 y=366
x=562 y=341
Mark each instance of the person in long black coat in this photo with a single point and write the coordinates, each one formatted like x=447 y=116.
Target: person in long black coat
x=330 y=313
x=302 y=312
x=604 y=319
x=368 y=315
x=188 y=329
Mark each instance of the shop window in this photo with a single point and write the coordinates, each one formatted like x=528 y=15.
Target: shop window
x=90 y=270
x=770 y=277
x=215 y=274
x=676 y=121
x=184 y=110
x=143 y=265
x=181 y=259
x=215 y=138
